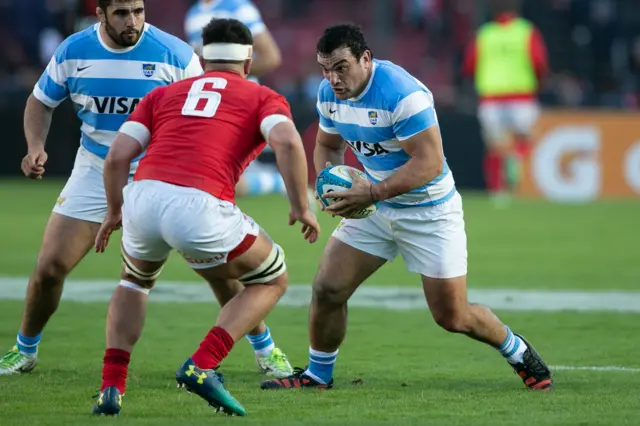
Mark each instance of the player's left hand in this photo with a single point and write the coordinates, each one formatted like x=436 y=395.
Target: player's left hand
x=111 y=223
x=353 y=199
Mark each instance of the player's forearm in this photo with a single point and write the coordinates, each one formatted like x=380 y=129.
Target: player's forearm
x=292 y=165
x=323 y=154
x=267 y=55
x=263 y=65
x=37 y=120
x=413 y=174
x=116 y=177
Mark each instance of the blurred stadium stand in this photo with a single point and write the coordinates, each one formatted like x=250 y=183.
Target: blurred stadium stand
x=594 y=49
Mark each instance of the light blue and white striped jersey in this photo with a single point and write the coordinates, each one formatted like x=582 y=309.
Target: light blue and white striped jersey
x=106 y=84
x=393 y=107
x=201 y=13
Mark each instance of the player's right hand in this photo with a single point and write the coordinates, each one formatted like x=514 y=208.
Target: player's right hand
x=33 y=164
x=310 y=225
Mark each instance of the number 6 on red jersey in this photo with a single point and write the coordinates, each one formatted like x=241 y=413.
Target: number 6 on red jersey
x=202 y=101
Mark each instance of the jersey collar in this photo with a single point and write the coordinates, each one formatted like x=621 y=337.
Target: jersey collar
x=366 y=89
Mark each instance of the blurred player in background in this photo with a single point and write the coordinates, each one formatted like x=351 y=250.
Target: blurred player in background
x=266 y=52
x=260 y=177
x=507 y=60
x=199 y=135
x=105 y=70
x=388 y=119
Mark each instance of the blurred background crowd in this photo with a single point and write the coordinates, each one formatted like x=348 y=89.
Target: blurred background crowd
x=591 y=73
x=594 y=45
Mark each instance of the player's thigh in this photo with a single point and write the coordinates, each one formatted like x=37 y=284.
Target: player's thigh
x=210 y=233
x=65 y=242
x=493 y=124
x=523 y=117
x=357 y=248
x=256 y=260
x=144 y=248
x=432 y=240
x=83 y=196
x=433 y=243
x=225 y=288
x=447 y=300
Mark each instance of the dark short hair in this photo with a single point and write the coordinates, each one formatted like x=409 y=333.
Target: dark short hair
x=226 y=31
x=103 y=4
x=343 y=35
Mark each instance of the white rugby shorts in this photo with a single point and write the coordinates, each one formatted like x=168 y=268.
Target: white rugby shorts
x=158 y=217
x=432 y=240
x=499 y=119
x=83 y=196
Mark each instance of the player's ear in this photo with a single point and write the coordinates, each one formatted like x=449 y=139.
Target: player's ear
x=247 y=66
x=201 y=61
x=366 y=57
x=101 y=15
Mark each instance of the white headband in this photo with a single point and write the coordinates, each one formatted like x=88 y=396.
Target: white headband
x=227 y=52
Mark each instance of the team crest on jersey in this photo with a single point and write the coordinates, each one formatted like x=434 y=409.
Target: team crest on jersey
x=148 y=69
x=373 y=117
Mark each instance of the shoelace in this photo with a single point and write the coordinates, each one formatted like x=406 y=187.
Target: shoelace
x=297 y=371
x=535 y=367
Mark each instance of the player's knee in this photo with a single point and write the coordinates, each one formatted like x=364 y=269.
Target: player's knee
x=329 y=292
x=281 y=283
x=50 y=272
x=452 y=320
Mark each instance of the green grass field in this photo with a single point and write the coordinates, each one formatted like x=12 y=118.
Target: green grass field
x=396 y=367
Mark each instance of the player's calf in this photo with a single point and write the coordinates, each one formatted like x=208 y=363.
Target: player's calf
x=342 y=270
x=260 y=266
x=125 y=320
x=448 y=303
x=270 y=359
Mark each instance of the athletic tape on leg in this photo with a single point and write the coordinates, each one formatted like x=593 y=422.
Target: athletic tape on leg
x=134 y=286
x=132 y=270
x=272 y=267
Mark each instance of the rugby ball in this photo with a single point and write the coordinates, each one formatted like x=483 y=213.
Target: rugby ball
x=337 y=179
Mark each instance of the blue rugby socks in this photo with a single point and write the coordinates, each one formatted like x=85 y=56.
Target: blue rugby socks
x=321 y=365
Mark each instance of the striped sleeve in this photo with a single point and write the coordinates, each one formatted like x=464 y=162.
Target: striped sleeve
x=51 y=89
x=194 y=69
x=413 y=114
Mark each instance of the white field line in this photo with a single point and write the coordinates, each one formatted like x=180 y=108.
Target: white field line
x=395 y=298
x=594 y=368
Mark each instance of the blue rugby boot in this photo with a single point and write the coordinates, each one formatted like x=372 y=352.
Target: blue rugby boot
x=109 y=402
x=207 y=384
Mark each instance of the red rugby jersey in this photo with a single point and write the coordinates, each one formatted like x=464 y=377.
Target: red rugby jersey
x=205 y=130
